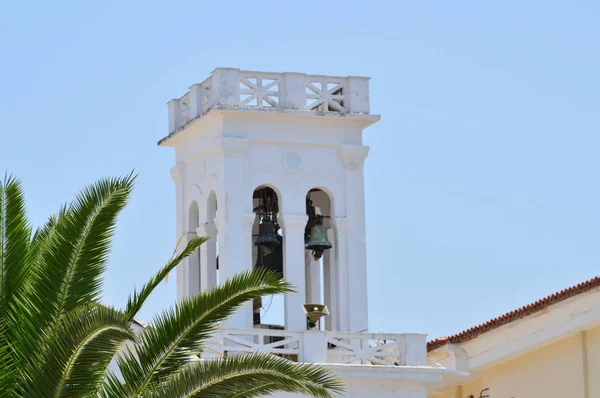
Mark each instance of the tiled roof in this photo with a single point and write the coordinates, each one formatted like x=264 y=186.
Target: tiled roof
x=512 y=316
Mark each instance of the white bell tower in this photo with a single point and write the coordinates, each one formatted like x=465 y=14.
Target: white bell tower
x=260 y=158
x=239 y=134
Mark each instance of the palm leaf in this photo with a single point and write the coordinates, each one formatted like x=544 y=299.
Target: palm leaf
x=75 y=353
x=15 y=234
x=137 y=300
x=179 y=333
x=74 y=250
x=252 y=375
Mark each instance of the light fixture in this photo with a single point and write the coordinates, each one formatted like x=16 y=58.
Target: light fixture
x=314 y=312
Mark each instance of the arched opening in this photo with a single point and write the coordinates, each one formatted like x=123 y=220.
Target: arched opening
x=319 y=261
x=193 y=261
x=267 y=252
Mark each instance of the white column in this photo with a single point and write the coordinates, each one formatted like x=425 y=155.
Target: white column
x=233 y=256
x=358 y=94
x=293 y=91
x=342 y=293
x=192 y=263
x=415 y=349
x=226 y=86
x=314 y=346
x=174 y=111
x=313 y=279
x=293 y=269
x=208 y=256
x=354 y=156
x=195 y=100
x=249 y=219
x=330 y=285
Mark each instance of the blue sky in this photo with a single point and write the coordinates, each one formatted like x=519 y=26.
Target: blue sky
x=482 y=181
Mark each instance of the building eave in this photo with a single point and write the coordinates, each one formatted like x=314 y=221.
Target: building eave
x=364 y=119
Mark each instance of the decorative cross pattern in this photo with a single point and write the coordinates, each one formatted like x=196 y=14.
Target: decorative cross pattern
x=359 y=351
x=325 y=96
x=259 y=92
x=280 y=343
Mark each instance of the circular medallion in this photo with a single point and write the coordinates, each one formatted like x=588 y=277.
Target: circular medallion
x=292 y=161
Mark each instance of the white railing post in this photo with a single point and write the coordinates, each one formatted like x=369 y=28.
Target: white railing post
x=195 y=101
x=314 y=346
x=357 y=94
x=174 y=110
x=292 y=91
x=226 y=86
x=415 y=349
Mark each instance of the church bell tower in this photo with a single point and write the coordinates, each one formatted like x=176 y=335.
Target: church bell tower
x=270 y=167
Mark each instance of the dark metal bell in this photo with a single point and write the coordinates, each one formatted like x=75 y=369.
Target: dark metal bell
x=271 y=258
x=267 y=237
x=318 y=241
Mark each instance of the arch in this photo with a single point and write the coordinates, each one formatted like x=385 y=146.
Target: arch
x=272 y=180
x=206 y=196
x=331 y=186
x=320 y=269
x=266 y=202
x=194 y=193
x=211 y=206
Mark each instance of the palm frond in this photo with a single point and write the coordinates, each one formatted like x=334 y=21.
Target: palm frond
x=252 y=375
x=75 y=353
x=9 y=363
x=75 y=248
x=180 y=333
x=137 y=300
x=15 y=235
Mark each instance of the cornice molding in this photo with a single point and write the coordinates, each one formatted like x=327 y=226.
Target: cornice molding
x=354 y=155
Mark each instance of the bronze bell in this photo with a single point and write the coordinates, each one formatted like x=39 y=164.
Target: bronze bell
x=267 y=237
x=312 y=219
x=271 y=258
x=318 y=241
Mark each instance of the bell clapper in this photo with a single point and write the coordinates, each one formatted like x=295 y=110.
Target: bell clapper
x=317 y=254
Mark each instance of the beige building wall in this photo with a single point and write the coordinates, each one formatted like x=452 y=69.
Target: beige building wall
x=569 y=368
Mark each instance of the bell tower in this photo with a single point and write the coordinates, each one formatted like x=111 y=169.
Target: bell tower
x=270 y=167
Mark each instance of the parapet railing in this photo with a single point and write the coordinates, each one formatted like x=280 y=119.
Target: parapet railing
x=237 y=88
x=322 y=346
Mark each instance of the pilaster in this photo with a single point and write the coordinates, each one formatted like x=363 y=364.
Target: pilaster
x=234 y=254
x=353 y=157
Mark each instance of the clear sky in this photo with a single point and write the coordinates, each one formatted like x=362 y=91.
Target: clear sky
x=482 y=181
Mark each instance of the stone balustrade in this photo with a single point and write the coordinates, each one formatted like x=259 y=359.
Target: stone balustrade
x=238 y=89
x=369 y=349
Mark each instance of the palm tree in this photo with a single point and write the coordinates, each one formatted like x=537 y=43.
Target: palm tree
x=57 y=340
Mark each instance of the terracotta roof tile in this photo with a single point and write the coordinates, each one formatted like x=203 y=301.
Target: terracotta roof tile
x=471 y=333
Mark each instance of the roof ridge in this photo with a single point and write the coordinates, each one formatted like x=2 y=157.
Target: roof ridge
x=511 y=316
